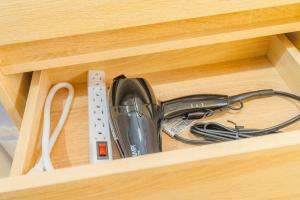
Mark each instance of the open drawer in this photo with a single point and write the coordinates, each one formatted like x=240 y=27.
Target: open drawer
x=261 y=167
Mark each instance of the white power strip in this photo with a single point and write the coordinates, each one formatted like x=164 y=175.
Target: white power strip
x=99 y=134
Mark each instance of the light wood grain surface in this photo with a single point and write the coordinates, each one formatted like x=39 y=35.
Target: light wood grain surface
x=29 y=140
x=26 y=21
x=182 y=48
x=164 y=61
x=100 y=46
x=286 y=60
x=258 y=168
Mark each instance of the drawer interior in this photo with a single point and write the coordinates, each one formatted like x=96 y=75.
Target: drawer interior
x=226 y=68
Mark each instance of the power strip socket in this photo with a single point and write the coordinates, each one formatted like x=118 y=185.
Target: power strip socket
x=99 y=133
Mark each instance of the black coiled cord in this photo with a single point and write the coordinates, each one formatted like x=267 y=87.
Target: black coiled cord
x=216 y=132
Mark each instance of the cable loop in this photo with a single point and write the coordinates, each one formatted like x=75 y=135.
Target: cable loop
x=216 y=132
x=49 y=139
x=237 y=108
x=208 y=113
x=237 y=128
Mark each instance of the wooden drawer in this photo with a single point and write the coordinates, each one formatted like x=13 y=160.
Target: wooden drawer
x=229 y=170
x=181 y=47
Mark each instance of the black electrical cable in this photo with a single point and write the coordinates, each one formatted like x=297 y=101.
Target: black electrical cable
x=216 y=132
x=191 y=141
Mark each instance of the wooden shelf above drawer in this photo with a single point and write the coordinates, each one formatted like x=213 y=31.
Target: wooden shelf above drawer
x=24 y=22
x=59 y=34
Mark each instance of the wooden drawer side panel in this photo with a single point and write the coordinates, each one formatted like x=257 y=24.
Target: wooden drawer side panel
x=286 y=58
x=29 y=137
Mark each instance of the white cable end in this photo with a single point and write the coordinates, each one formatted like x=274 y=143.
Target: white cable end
x=36 y=169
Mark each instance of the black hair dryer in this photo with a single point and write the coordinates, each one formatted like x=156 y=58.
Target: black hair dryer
x=136 y=115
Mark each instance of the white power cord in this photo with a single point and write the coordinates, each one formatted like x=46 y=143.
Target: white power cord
x=44 y=162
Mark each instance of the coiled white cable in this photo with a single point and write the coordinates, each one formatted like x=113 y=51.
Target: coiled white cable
x=44 y=162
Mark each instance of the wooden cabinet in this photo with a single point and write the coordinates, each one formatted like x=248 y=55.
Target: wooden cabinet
x=181 y=47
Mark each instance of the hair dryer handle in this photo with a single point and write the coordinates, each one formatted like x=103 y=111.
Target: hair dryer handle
x=195 y=105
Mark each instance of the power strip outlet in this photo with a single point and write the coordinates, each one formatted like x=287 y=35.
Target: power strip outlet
x=99 y=133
